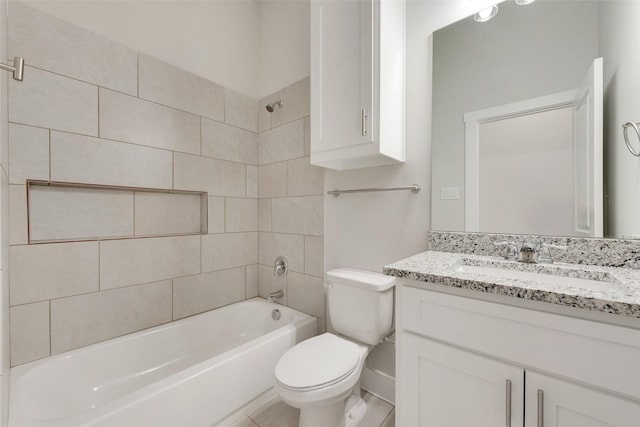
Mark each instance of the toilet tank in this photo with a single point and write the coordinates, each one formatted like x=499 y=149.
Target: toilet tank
x=360 y=303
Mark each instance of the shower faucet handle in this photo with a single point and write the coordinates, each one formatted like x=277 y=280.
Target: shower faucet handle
x=280 y=267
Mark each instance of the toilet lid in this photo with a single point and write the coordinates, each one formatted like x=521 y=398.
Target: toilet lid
x=318 y=361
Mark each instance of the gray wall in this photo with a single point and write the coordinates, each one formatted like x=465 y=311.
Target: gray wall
x=619 y=35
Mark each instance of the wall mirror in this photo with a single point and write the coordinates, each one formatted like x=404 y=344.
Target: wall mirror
x=528 y=108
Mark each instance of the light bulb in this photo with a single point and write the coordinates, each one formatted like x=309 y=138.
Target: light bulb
x=486 y=14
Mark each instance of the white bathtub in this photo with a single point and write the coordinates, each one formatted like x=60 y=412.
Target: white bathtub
x=189 y=373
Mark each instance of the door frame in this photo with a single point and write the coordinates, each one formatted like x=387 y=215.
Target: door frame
x=472 y=122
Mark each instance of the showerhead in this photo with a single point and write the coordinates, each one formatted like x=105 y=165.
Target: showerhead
x=273 y=105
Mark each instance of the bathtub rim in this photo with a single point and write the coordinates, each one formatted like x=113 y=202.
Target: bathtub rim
x=154 y=388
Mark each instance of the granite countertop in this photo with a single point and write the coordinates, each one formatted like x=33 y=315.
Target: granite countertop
x=622 y=297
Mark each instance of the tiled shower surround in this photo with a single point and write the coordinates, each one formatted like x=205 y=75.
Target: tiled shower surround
x=91 y=111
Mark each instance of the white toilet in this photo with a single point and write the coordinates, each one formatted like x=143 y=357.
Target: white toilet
x=321 y=375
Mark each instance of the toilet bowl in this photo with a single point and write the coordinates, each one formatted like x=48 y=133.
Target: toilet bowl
x=321 y=375
x=318 y=376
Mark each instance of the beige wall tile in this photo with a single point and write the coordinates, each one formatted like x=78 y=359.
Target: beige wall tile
x=222 y=141
x=76 y=158
x=203 y=292
x=306 y=293
x=42 y=272
x=86 y=319
x=273 y=245
x=240 y=110
x=163 y=213
x=304 y=179
x=216 y=177
x=28 y=153
x=298 y=215
x=264 y=117
x=18 y=215
x=268 y=283
x=252 y=182
x=29 y=332
x=272 y=180
x=37 y=99
x=64 y=213
x=251 y=281
x=135 y=261
x=52 y=44
x=169 y=85
x=241 y=215
x=129 y=119
x=264 y=214
x=229 y=250
x=296 y=98
x=282 y=143
x=216 y=212
x=314 y=256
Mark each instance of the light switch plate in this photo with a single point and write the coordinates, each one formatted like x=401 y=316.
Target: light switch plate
x=449 y=193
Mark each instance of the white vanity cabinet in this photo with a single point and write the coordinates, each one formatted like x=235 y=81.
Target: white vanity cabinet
x=567 y=404
x=446 y=387
x=357 y=83
x=464 y=362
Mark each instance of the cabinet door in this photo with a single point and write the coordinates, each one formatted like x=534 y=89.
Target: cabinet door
x=441 y=386
x=565 y=404
x=342 y=67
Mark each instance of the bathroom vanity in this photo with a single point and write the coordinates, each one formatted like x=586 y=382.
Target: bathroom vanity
x=485 y=342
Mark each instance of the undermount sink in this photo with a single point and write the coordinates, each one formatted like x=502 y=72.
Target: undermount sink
x=540 y=277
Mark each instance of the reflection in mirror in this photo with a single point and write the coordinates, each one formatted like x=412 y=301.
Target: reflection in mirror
x=539 y=142
x=498 y=165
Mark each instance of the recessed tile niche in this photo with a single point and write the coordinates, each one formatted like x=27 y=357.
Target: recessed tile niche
x=63 y=212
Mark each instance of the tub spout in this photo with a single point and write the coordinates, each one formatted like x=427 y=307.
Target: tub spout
x=275 y=295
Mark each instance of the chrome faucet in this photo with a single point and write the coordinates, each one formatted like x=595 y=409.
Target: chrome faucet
x=528 y=253
x=275 y=295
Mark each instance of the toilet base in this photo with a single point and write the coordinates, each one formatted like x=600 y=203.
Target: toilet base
x=349 y=413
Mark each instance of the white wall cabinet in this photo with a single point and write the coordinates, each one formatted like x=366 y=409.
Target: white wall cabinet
x=465 y=362
x=357 y=83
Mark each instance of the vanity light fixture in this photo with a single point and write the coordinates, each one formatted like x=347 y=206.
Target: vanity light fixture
x=524 y=2
x=486 y=14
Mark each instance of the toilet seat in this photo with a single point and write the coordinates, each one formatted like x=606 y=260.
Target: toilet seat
x=317 y=363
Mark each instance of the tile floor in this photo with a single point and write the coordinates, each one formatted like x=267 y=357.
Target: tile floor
x=276 y=413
